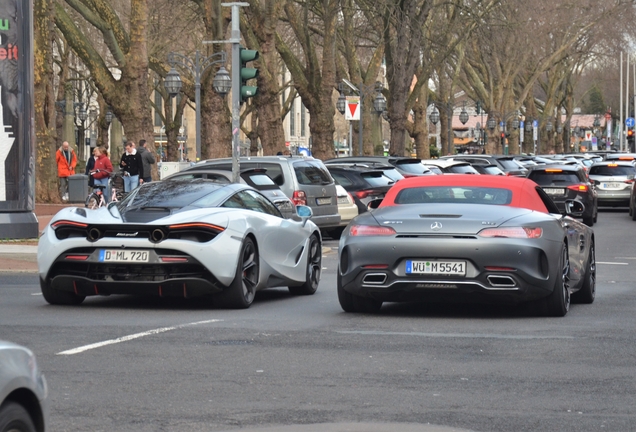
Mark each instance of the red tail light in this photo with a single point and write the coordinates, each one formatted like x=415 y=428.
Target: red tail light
x=512 y=232
x=67 y=224
x=361 y=194
x=578 y=188
x=299 y=198
x=370 y=230
x=509 y=173
x=629 y=181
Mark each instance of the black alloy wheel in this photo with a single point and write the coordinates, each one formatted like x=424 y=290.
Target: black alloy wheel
x=313 y=271
x=242 y=291
x=557 y=304
x=587 y=293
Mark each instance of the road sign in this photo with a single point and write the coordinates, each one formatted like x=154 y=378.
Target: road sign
x=353 y=108
x=535 y=124
x=629 y=122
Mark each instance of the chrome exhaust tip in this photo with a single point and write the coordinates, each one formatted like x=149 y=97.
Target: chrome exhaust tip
x=157 y=235
x=374 y=278
x=501 y=281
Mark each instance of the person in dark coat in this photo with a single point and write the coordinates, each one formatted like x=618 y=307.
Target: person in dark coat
x=132 y=166
x=147 y=159
x=90 y=164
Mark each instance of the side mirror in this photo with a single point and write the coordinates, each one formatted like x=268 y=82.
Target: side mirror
x=304 y=212
x=574 y=208
x=374 y=204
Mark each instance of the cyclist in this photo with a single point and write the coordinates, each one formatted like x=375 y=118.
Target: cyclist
x=102 y=169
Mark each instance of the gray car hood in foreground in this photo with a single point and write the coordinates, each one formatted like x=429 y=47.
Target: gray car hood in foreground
x=466 y=219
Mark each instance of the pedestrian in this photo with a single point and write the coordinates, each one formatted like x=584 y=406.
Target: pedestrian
x=102 y=170
x=66 y=161
x=90 y=165
x=132 y=166
x=147 y=159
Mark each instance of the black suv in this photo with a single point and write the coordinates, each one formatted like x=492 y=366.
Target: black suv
x=407 y=166
x=364 y=184
x=567 y=182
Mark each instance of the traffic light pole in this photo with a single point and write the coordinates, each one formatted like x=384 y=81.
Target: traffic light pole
x=235 y=40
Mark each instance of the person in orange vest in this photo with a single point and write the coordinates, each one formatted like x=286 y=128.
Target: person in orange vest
x=66 y=161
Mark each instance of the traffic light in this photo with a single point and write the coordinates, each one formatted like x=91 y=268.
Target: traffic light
x=248 y=73
x=630 y=138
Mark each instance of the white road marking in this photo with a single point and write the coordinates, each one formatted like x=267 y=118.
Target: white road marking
x=131 y=337
x=629 y=258
x=451 y=335
x=611 y=263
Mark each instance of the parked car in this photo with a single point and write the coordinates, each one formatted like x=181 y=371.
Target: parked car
x=464 y=237
x=506 y=163
x=24 y=405
x=613 y=181
x=620 y=156
x=255 y=177
x=488 y=169
x=364 y=184
x=389 y=170
x=564 y=183
x=180 y=238
x=347 y=209
x=406 y=166
x=305 y=180
x=451 y=166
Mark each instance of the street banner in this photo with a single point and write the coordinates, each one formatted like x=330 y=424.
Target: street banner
x=17 y=136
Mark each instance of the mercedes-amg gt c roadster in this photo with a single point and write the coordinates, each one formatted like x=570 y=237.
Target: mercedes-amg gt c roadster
x=182 y=238
x=467 y=237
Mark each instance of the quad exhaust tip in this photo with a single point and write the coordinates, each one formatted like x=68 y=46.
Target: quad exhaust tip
x=374 y=278
x=501 y=281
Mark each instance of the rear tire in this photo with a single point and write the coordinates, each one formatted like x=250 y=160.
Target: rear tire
x=587 y=293
x=241 y=292
x=345 y=298
x=14 y=418
x=313 y=271
x=57 y=297
x=557 y=304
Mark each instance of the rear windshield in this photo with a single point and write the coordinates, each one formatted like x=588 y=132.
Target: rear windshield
x=492 y=170
x=377 y=179
x=510 y=164
x=260 y=181
x=411 y=166
x=462 y=169
x=393 y=174
x=543 y=178
x=605 y=170
x=455 y=195
x=312 y=173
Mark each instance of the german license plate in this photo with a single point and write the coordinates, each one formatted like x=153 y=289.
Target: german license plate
x=611 y=185
x=323 y=201
x=343 y=200
x=554 y=191
x=119 y=255
x=457 y=268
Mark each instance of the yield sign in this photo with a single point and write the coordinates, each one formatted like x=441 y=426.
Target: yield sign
x=353 y=108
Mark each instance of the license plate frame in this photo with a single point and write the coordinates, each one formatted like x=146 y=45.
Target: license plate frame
x=124 y=256
x=436 y=268
x=611 y=185
x=554 y=191
x=323 y=201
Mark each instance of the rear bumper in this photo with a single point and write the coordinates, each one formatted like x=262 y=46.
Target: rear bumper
x=326 y=221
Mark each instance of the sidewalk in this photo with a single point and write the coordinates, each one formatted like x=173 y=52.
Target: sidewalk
x=20 y=255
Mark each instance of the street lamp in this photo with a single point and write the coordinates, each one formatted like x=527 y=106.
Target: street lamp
x=108 y=116
x=379 y=104
x=449 y=107
x=221 y=82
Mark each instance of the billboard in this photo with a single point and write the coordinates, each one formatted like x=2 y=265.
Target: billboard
x=17 y=135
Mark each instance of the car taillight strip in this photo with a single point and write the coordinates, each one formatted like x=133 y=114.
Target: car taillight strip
x=370 y=230
x=197 y=225
x=512 y=232
x=62 y=223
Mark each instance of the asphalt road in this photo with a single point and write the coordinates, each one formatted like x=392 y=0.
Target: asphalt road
x=146 y=364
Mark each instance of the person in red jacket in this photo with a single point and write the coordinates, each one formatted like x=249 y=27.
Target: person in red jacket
x=66 y=161
x=102 y=169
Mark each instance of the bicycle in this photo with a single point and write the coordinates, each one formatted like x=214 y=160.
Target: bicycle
x=96 y=198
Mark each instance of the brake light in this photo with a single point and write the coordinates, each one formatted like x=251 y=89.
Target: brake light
x=612 y=165
x=370 y=230
x=629 y=181
x=509 y=173
x=578 y=188
x=627 y=158
x=512 y=232
x=299 y=198
x=68 y=223
x=361 y=194
x=197 y=225
x=553 y=170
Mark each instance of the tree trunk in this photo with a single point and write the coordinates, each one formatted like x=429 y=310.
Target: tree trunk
x=44 y=98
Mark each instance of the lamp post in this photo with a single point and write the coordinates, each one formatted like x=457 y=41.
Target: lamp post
x=197 y=66
x=379 y=105
x=503 y=119
x=449 y=107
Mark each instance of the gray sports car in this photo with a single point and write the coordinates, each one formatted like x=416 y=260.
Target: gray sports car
x=467 y=237
x=181 y=238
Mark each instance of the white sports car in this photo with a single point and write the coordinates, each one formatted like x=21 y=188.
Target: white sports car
x=181 y=238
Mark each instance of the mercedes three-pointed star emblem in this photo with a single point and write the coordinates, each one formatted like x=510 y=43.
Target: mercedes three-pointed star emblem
x=436 y=226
